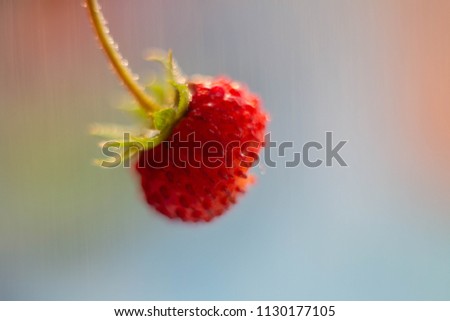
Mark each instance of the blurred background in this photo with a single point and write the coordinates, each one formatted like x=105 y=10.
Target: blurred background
x=375 y=73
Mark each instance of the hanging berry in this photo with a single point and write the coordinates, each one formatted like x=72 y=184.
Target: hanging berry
x=198 y=138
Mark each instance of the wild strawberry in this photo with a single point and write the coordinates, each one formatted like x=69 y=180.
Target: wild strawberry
x=199 y=138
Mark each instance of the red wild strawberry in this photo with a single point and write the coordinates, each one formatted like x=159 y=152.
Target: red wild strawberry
x=199 y=138
x=222 y=112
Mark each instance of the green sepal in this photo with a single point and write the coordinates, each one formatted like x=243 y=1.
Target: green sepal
x=183 y=98
x=163 y=118
x=158 y=90
x=172 y=96
x=136 y=111
x=113 y=132
x=127 y=143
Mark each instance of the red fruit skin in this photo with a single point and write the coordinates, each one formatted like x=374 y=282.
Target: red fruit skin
x=222 y=111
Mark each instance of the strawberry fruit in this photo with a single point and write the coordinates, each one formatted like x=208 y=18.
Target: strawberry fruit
x=198 y=139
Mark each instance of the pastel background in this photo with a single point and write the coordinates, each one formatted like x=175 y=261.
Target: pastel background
x=375 y=73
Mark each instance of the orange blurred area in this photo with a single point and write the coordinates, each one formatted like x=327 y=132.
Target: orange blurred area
x=421 y=68
x=431 y=54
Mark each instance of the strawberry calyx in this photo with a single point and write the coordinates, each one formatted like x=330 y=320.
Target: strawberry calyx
x=160 y=105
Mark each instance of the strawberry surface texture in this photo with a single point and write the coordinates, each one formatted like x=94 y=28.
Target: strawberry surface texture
x=201 y=170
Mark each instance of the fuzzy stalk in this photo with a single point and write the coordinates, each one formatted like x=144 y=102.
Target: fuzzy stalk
x=117 y=60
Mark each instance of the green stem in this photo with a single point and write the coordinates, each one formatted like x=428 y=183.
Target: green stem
x=116 y=59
